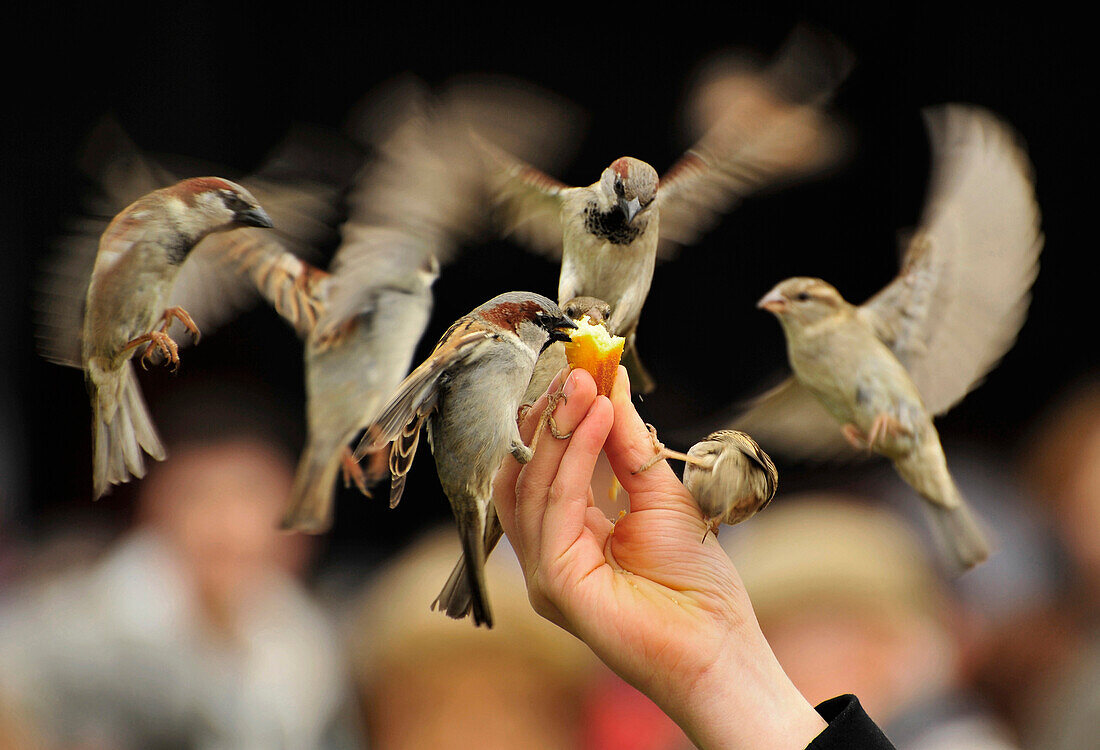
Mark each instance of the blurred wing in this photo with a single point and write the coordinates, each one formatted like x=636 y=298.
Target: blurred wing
x=416 y=397
x=964 y=287
x=526 y=201
x=299 y=187
x=122 y=174
x=296 y=289
x=429 y=176
x=761 y=128
x=789 y=420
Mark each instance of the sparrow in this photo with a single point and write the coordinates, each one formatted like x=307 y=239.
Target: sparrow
x=883 y=369
x=410 y=209
x=139 y=256
x=466 y=395
x=772 y=129
x=553 y=360
x=297 y=183
x=728 y=474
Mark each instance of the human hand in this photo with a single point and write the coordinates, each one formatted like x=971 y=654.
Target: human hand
x=669 y=614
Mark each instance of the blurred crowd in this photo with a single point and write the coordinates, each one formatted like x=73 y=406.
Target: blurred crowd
x=199 y=625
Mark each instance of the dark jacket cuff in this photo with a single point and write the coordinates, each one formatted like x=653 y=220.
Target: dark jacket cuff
x=850 y=728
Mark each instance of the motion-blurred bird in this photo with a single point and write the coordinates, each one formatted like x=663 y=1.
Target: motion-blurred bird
x=466 y=394
x=203 y=283
x=728 y=474
x=917 y=347
x=412 y=206
x=139 y=256
x=771 y=128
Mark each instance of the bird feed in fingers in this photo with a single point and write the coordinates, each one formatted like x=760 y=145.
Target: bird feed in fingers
x=593 y=348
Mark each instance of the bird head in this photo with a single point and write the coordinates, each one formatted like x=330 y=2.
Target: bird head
x=630 y=184
x=597 y=310
x=537 y=320
x=802 y=301
x=211 y=204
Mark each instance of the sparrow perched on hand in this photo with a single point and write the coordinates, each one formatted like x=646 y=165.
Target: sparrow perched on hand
x=728 y=474
x=917 y=347
x=466 y=395
x=553 y=360
x=772 y=129
x=410 y=208
x=139 y=255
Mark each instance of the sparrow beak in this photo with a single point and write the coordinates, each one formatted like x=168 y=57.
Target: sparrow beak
x=773 y=302
x=630 y=208
x=561 y=330
x=253 y=217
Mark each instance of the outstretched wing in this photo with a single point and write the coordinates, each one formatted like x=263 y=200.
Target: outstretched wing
x=964 y=287
x=763 y=128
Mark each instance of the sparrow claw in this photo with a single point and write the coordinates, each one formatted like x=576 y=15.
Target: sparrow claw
x=884 y=426
x=658 y=447
x=551 y=404
x=181 y=315
x=157 y=340
x=522 y=453
x=615 y=523
x=353 y=472
x=855 y=437
x=712 y=528
x=522 y=412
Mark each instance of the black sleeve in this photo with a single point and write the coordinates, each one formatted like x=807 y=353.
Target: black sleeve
x=850 y=728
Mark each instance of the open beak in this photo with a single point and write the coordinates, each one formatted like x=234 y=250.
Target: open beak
x=773 y=302
x=630 y=208
x=253 y=217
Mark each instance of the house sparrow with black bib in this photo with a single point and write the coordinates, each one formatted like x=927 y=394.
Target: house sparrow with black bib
x=728 y=474
x=466 y=395
x=772 y=129
x=135 y=267
x=884 y=368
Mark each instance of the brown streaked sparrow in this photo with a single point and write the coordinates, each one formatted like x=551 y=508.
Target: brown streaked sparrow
x=728 y=474
x=466 y=395
x=884 y=368
x=138 y=258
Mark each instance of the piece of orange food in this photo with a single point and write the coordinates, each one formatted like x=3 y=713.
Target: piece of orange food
x=593 y=348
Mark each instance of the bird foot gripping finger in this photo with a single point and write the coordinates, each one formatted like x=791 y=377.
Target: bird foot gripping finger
x=353 y=472
x=712 y=528
x=521 y=452
x=658 y=448
x=157 y=340
x=855 y=437
x=884 y=426
x=552 y=404
x=522 y=412
x=178 y=313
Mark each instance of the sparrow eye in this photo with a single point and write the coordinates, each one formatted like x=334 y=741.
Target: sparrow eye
x=234 y=202
x=619 y=186
x=802 y=296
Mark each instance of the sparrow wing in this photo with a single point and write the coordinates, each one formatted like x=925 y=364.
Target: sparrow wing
x=416 y=397
x=964 y=287
x=760 y=128
x=526 y=201
x=788 y=419
x=206 y=285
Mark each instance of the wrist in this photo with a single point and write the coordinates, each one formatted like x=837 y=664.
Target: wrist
x=745 y=700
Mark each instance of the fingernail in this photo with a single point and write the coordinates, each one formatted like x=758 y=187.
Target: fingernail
x=570 y=386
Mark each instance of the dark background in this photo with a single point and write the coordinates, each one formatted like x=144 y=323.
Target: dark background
x=223 y=83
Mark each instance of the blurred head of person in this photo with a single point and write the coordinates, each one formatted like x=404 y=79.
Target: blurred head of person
x=216 y=501
x=848 y=601
x=426 y=680
x=1061 y=459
